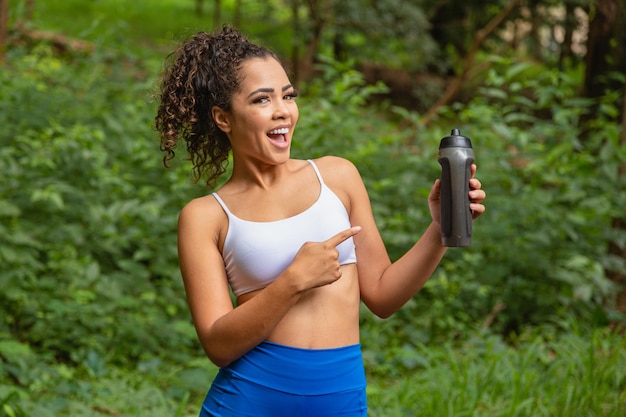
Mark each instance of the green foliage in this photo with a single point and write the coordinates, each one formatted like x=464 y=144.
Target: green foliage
x=578 y=374
x=357 y=129
x=93 y=318
x=90 y=280
x=118 y=22
x=151 y=388
x=549 y=164
x=393 y=32
x=549 y=160
x=142 y=27
x=86 y=234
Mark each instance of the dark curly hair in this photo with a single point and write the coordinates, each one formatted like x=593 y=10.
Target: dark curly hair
x=203 y=72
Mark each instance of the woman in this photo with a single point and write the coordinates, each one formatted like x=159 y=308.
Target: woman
x=294 y=240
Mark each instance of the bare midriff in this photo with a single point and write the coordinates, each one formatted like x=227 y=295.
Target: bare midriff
x=323 y=318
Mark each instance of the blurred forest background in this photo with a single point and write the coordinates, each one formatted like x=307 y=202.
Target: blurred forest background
x=527 y=321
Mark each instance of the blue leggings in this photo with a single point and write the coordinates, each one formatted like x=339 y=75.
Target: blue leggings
x=274 y=380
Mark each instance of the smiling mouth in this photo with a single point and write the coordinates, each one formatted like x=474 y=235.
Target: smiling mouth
x=281 y=131
x=277 y=136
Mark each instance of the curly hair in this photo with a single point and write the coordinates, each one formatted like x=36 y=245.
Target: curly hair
x=203 y=72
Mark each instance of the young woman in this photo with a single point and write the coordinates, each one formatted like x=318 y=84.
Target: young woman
x=294 y=240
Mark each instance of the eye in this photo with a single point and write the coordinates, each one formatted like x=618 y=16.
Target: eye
x=291 y=95
x=261 y=99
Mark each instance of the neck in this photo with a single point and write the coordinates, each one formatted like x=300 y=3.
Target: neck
x=259 y=174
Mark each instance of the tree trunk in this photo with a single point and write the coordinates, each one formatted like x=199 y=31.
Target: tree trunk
x=569 y=25
x=606 y=47
x=534 y=41
x=620 y=223
x=295 y=44
x=4 y=28
x=318 y=13
x=606 y=54
x=456 y=84
x=217 y=13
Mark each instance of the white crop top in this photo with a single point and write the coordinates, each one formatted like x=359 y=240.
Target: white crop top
x=255 y=253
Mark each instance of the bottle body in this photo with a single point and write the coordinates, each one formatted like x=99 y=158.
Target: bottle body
x=456 y=157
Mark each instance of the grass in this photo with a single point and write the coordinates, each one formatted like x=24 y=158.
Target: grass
x=149 y=26
x=137 y=22
x=573 y=375
x=580 y=374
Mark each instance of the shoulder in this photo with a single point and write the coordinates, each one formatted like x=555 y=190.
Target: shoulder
x=201 y=207
x=343 y=178
x=335 y=168
x=202 y=215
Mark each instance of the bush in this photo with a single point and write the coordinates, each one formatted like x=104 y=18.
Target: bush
x=550 y=167
x=90 y=281
x=88 y=239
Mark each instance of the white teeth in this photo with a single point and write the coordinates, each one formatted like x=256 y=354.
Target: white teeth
x=282 y=131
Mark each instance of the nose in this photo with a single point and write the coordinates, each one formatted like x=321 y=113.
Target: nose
x=281 y=110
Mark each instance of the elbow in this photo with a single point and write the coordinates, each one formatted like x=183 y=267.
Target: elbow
x=221 y=360
x=220 y=355
x=381 y=311
x=383 y=314
x=221 y=349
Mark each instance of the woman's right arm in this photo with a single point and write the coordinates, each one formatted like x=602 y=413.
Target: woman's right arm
x=227 y=333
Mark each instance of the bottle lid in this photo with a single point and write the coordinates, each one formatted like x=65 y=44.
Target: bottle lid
x=455 y=140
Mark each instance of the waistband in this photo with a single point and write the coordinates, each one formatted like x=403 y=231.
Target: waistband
x=302 y=371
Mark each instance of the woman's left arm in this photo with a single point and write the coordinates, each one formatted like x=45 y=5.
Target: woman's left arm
x=387 y=286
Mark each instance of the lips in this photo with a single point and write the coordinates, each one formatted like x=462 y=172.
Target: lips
x=277 y=137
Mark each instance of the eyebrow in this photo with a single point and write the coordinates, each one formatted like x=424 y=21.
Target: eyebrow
x=269 y=90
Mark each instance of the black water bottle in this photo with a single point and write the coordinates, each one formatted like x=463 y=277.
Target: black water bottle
x=456 y=158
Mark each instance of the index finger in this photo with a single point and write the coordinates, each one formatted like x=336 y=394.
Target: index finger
x=343 y=236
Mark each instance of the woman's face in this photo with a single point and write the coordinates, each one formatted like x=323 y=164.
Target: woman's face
x=264 y=113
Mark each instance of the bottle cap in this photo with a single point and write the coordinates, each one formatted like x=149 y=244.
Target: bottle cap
x=455 y=140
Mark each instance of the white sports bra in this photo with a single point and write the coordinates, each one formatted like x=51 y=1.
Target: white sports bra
x=255 y=253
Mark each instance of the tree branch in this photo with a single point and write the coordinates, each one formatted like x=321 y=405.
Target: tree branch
x=62 y=43
x=455 y=85
x=4 y=28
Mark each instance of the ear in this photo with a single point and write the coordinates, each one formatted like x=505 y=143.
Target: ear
x=220 y=116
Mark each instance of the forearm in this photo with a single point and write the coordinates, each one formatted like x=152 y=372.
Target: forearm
x=402 y=279
x=237 y=331
x=240 y=330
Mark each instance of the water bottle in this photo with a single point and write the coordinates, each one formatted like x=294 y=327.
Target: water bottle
x=456 y=158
